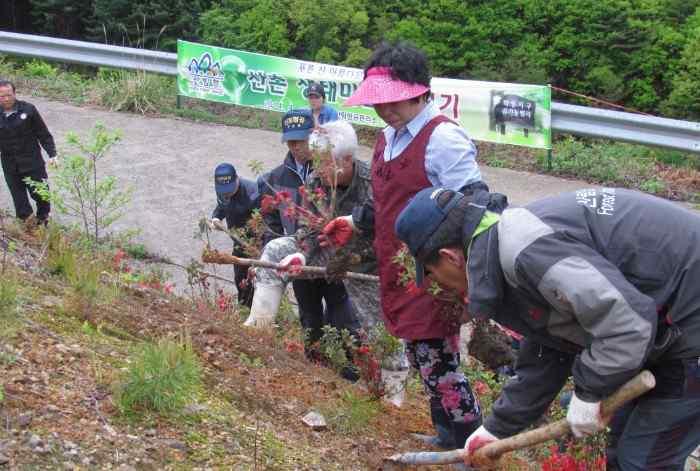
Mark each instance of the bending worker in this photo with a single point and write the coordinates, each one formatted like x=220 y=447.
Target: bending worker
x=602 y=283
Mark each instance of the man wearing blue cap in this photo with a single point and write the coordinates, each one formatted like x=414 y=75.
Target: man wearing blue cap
x=311 y=294
x=602 y=282
x=297 y=125
x=236 y=198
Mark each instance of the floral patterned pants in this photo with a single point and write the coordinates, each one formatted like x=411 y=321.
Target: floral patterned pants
x=437 y=361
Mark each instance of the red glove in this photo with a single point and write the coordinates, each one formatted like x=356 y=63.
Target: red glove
x=338 y=232
x=291 y=264
x=476 y=440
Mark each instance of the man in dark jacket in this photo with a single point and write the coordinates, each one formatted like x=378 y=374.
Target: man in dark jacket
x=21 y=132
x=288 y=177
x=236 y=199
x=312 y=294
x=602 y=282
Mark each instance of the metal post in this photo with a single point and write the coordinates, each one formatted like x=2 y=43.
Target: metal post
x=178 y=103
x=549 y=160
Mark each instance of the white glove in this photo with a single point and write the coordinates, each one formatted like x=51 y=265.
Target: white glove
x=215 y=224
x=584 y=417
x=290 y=261
x=53 y=161
x=479 y=438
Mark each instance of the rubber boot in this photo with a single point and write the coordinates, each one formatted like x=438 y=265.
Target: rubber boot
x=266 y=302
x=443 y=426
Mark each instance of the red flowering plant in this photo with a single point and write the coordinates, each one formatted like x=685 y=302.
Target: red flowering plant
x=369 y=368
x=578 y=455
x=312 y=210
x=407 y=274
x=119 y=263
x=224 y=301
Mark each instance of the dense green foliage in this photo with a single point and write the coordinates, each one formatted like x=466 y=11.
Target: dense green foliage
x=150 y=24
x=162 y=377
x=644 y=54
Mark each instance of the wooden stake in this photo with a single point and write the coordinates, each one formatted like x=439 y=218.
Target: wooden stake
x=214 y=256
x=488 y=454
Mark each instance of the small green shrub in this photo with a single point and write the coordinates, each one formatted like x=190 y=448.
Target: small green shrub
x=137 y=251
x=604 y=163
x=139 y=92
x=333 y=347
x=161 y=378
x=40 y=69
x=9 y=288
x=61 y=256
x=85 y=279
x=78 y=191
x=653 y=186
x=351 y=414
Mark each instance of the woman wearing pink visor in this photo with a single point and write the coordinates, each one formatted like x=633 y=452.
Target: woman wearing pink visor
x=419 y=148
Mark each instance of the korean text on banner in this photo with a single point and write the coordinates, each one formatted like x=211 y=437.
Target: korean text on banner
x=490 y=111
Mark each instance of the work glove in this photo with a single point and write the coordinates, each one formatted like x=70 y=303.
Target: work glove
x=584 y=417
x=215 y=224
x=291 y=264
x=338 y=232
x=479 y=438
x=53 y=161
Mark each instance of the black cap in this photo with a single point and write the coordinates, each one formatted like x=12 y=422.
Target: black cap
x=316 y=89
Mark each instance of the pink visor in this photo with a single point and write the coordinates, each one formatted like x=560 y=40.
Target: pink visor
x=379 y=87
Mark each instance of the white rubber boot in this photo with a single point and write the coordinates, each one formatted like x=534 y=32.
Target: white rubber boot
x=266 y=302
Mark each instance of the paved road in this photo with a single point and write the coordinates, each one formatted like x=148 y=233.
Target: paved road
x=170 y=163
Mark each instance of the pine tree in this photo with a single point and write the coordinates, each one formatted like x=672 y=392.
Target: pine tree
x=61 y=18
x=150 y=24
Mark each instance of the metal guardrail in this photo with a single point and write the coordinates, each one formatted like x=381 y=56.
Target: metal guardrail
x=628 y=127
x=87 y=53
x=566 y=119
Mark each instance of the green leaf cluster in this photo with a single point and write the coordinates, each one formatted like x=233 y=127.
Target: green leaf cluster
x=639 y=53
x=78 y=190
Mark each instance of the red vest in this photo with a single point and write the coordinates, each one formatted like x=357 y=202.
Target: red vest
x=407 y=316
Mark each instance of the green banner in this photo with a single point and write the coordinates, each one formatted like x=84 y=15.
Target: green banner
x=505 y=113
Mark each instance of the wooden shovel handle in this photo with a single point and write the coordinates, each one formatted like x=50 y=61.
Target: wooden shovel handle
x=640 y=384
x=216 y=257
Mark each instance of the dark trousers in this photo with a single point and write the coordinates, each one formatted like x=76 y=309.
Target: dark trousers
x=340 y=312
x=19 y=190
x=243 y=285
x=659 y=430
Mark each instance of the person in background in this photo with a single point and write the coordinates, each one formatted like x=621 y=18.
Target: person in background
x=22 y=132
x=322 y=112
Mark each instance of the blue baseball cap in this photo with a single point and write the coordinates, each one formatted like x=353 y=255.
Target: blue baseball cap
x=297 y=125
x=225 y=178
x=420 y=219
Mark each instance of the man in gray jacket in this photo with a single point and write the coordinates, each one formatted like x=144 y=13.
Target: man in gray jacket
x=602 y=282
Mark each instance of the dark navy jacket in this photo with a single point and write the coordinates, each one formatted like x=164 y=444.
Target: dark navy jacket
x=286 y=178
x=238 y=210
x=20 y=136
